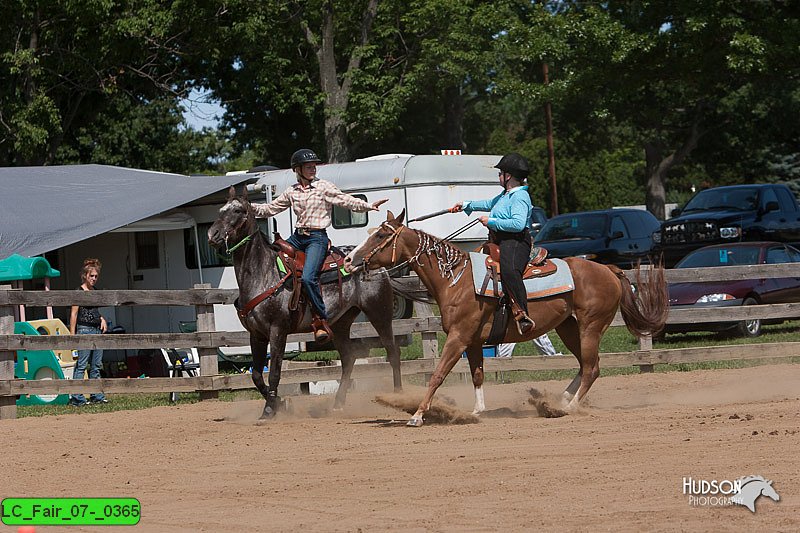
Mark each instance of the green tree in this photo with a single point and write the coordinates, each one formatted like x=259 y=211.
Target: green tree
x=676 y=72
x=284 y=70
x=64 y=60
x=352 y=77
x=149 y=135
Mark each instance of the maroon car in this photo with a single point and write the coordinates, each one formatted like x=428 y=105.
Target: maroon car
x=732 y=293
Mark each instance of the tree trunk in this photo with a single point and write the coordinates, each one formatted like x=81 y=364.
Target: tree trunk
x=337 y=95
x=337 y=142
x=656 y=173
x=657 y=166
x=454 y=110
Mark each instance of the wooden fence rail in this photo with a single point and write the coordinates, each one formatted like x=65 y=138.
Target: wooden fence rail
x=207 y=340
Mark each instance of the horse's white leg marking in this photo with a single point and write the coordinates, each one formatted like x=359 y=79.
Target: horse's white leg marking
x=416 y=420
x=573 y=404
x=480 y=403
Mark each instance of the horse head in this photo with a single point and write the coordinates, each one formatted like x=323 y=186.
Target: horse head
x=235 y=222
x=768 y=491
x=751 y=488
x=380 y=248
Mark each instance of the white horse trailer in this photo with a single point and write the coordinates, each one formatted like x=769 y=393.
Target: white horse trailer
x=420 y=184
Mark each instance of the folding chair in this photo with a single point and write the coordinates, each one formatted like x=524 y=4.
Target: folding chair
x=181 y=363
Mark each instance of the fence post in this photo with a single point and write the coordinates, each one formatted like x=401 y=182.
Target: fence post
x=208 y=356
x=430 y=340
x=645 y=345
x=8 y=404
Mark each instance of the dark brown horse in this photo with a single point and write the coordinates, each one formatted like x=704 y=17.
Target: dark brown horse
x=269 y=322
x=580 y=317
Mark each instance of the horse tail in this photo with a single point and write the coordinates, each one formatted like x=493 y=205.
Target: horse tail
x=644 y=312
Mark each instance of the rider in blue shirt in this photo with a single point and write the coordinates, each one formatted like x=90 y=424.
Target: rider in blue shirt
x=509 y=221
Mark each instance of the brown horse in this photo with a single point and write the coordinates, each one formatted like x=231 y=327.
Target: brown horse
x=580 y=317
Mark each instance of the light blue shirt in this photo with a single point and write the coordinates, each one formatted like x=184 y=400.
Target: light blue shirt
x=509 y=211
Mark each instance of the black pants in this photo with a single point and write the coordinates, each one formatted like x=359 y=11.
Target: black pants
x=515 y=252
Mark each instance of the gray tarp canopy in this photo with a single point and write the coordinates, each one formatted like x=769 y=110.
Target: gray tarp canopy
x=46 y=208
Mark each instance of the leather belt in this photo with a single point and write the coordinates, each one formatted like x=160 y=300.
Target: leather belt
x=306 y=231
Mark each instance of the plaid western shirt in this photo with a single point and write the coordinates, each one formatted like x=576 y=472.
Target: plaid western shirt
x=312 y=205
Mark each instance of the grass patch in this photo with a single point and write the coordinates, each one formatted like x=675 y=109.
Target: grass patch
x=127 y=402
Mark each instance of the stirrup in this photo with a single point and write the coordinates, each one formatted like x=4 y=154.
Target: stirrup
x=322 y=331
x=525 y=325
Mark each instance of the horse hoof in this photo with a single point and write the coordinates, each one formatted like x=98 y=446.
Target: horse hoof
x=272 y=406
x=415 y=423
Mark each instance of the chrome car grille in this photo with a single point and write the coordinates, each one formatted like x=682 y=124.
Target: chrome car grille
x=689 y=232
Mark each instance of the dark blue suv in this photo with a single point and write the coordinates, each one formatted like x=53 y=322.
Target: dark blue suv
x=622 y=237
x=538 y=218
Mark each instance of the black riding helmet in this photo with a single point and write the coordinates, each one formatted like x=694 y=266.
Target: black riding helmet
x=304 y=155
x=514 y=164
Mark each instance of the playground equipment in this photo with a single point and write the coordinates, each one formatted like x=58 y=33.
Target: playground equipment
x=36 y=364
x=16 y=269
x=54 y=326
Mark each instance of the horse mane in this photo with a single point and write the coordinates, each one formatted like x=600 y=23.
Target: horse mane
x=448 y=245
x=748 y=479
x=448 y=256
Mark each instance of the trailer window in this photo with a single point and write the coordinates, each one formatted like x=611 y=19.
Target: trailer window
x=209 y=257
x=344 y=218
x=147 y=250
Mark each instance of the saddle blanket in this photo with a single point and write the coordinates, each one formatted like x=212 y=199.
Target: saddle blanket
x=559 y=282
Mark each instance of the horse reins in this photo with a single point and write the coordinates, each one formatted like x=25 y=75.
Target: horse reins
x=235 y=229
x=239 y=244
x=393 y=238
x=462 y=229
x=249 y=306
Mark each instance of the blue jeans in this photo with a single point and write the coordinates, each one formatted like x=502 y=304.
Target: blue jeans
x=315 y=247
x=93 y=358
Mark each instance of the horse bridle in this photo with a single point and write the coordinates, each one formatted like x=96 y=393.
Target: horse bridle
x=235 y=229
x=384 y=243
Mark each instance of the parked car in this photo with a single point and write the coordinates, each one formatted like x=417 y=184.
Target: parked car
x=758 y=212
x=538 y=218
x=621 y=237
x=732 y=293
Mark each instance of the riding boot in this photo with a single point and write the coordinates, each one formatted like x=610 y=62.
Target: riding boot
x=322 y=331
x=525 y=324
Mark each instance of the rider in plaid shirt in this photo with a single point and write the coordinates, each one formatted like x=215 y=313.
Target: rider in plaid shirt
x=312 y=201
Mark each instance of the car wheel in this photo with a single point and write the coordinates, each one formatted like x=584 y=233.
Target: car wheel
x=750 y=328
x=402 y=308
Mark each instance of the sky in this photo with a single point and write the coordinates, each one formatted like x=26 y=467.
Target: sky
x=201 y=110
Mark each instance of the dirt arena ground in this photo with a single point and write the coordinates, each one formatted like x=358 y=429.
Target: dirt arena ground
x=618 y=465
